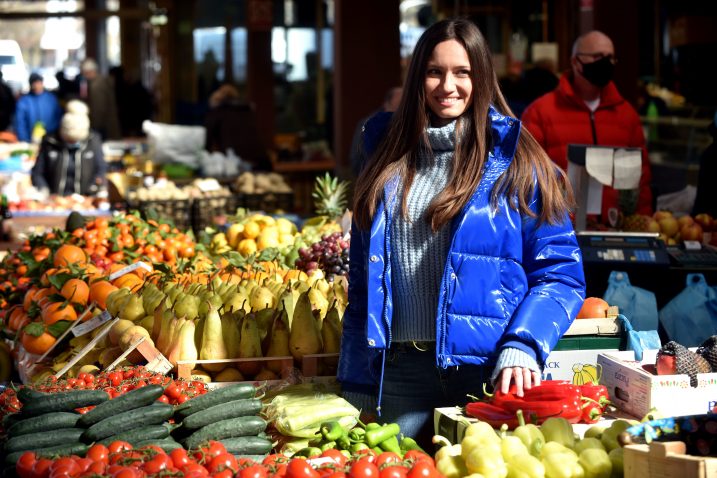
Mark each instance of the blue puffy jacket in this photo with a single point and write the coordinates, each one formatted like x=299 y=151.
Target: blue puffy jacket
x=508 y=280
x=32 y=108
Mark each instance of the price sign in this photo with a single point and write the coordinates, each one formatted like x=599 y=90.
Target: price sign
x=130 y=268
x=92 y=324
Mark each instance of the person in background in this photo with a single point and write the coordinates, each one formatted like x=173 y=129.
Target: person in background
x=71 y=160
x=390 y=103
x=232 y=124
x=98 y=92
x=465 y=268
x=7 y=104
x=586 y=108
x=38 y=112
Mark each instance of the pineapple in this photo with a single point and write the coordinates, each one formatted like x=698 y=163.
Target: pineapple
x=330 y=196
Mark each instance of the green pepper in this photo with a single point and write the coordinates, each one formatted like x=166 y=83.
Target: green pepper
x=328 y=445
x=309 y=452
x=357 y=434
x=408 y=443
x=376 y=450
x=596 y=463
x=331 y=430
x=372 y=426
x=558 y=429
x=529 y=434
x=343 y=442
x=391 y=444
x=377 y=435
x=358 y=447
x=346 y=453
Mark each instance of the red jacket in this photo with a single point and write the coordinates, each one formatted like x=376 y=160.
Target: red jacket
x=561 y=117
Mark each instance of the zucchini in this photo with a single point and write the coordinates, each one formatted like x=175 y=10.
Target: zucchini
x=64 y=401
x=232 y=427
x=125 y=421
x=136 y=435
x=166 y=444
x=215 y=397
x=237 y=408
x=246 y=445
x=46 y=422
x=33 y=441
x=139 y=397
x=60 y=450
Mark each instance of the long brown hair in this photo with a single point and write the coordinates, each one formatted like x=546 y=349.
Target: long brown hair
x=398 y=153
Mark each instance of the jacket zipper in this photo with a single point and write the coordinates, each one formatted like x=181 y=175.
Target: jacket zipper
x=63 y=177
x=592 y=127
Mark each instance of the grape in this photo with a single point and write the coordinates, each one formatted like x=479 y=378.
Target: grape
x=330 y=254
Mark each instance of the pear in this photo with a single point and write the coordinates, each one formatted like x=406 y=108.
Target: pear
x=166 y=335
x=184 y=349
x=151 y=297
x=147 y=322
x=237 y=301
x=187 y=306
x=223 y=288
x=262 y=298
x=229 y=375
x=279 y=343
x=207 y=299
x=117 y=330
x=305 y=337
x=132 y=308
x=288 y=302
x=107 y=356
x=213 y=346
x=318 y=301
x=331 y=335
x=115 y=299
x=323 y=286
x=231 y=333
x=264 y=319
x=249 y=346
x=159 y=313
x=172 y=290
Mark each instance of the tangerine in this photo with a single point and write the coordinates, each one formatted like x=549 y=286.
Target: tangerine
x=593 y=308
x=76 y=290
x=56 y=311
x=99 y=290
x=38 y=345
x=68 y=254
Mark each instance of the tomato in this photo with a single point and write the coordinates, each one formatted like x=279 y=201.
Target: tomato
x=393 y=471
x=179 y=457
x=387 y=457
x=300 y=468
x=97 y=468
x=98 y=452
x=275 y=459
x=224 y=474
x=417 y=455
x=336 y=474
x=172 y=391
x=363 y=468
x=159 y=463
x=41 y=468
x=422 y=469
x=252 y=471
x=339 y=458
x=194 y=469
x=206 y=453
x=119 y=446
x=222 y=462
x=65 y=463
x=83 y=463
x=163 y=399
x=127 y=472
x=182 y=398
x=25 y=464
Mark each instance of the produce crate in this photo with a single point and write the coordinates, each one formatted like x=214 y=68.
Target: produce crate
x=267 y=202
x=212 y=211
x=666 y=460
x=178 y=211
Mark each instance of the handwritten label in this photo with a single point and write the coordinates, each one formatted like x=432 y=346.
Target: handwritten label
x=92 y=324
x=130 y=268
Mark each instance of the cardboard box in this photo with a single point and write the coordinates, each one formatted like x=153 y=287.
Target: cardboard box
x=635 y=390
x=567 y=364
x=666 y=459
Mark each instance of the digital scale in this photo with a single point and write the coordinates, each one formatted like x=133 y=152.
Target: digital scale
x=615 y=248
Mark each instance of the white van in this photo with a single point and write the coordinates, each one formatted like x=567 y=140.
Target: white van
x=13 y=67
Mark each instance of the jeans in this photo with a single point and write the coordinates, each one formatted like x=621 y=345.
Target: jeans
x=413 y=386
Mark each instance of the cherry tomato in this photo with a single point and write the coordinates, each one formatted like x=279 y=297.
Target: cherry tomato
x=172 y=391
x=275 y=459
x=119 y=446
x=163 y=399
x=422 y=469
x=206 y=453
x=417 y=455
x=387 y=457
x=159 y=463
x=223 y=462
x=179 y=457
x=336 y=456
x=393 y=471
x=127 y=472
x=98 y=452
x=300 y=468
x=25 y=464
x=65 y=463
x=97 y=468
x=336 y=474
x=194 y=469
x=41 y=468
x=363 y=468
x=83 y=463
x=253 y=471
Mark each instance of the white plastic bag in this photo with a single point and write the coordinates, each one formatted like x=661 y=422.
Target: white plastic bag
x=175 y=143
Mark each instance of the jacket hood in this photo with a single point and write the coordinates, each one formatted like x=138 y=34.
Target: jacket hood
x=608 y=97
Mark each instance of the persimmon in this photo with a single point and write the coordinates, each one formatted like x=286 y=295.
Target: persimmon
x=56 y=311
x=99 y=290
x=37 y=345
x=76 y=290
x=593 y=308
x=68 y=254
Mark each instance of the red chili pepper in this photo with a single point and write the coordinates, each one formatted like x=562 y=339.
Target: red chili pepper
x=596 y=392
x=592 y=411
x=491 y=414
x=552 y=391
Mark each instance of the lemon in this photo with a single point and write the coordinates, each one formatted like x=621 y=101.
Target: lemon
x=247 y=247
x=251 y=230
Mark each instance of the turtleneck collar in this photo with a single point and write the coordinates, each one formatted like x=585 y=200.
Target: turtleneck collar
x=442 y=138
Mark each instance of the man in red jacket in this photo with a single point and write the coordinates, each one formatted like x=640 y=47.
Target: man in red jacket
x=586 y=108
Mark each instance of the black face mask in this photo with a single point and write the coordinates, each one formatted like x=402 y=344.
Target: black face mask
x=599 y=73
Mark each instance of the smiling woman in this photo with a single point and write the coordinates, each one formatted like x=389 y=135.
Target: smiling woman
x=449 y=86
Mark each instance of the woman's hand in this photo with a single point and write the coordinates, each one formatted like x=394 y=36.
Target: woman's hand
x=524 y=378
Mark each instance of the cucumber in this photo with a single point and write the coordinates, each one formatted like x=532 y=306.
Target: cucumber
x=237 y=408
x=125 y=421
x=64 y=401
x=246 y=445
x=255 y=458
x=12 y=418
x=33 y=441
x=136 y=435
x=215 y=397
x=139 y=397
x=166 y=444
x=232 y=427
x=46 y=422
x=60 y=450
x=27 y=394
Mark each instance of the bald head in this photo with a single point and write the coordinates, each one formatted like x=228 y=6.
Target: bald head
x=593 y=42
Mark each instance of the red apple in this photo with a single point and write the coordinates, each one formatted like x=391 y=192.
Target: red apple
x=706 y=221
x=661 y=215
x=691 y=232
x=685 y=220
x=669 y=226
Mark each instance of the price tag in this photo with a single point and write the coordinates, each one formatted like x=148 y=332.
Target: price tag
x=693 y=245
x=130 y=268
x=92 y=324
x=156 y=362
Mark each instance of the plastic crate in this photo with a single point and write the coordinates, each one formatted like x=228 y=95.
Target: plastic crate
x=177 y=211
x=211 y=211
x=590 y=342
x=267 y=202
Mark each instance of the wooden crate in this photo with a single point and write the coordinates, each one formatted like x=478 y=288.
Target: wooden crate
x=666 y=460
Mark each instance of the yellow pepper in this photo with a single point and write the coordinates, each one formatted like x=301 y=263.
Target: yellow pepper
x=596 y=463
x=560 y=462
x=530 y=435
x=559 y=430
x=525 y=466
x=487 y=461
x=448 y=459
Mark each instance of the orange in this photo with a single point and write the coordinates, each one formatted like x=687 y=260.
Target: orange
x=37 y=345
x=56 y=311
x=130 y=281
x=99 y=291
x=69 y=254
x=27 y=301
x=76 y=290
x=593 y=308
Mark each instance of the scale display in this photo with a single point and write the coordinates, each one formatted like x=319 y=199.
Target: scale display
x=621 y=247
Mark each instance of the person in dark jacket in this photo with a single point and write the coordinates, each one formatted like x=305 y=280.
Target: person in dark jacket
x=7 y=104
x=38 y=110
x=71 y=160
x=465 y=268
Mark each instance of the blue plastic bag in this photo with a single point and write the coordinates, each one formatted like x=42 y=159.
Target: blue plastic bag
x=691 y=316
x=637 y=304
x=639 y=340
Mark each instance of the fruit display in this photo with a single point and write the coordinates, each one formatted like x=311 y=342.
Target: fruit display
x=259 y=183
x=330 y=254
x=672 y=229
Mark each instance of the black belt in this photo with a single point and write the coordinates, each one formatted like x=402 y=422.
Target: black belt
x=414 y=346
